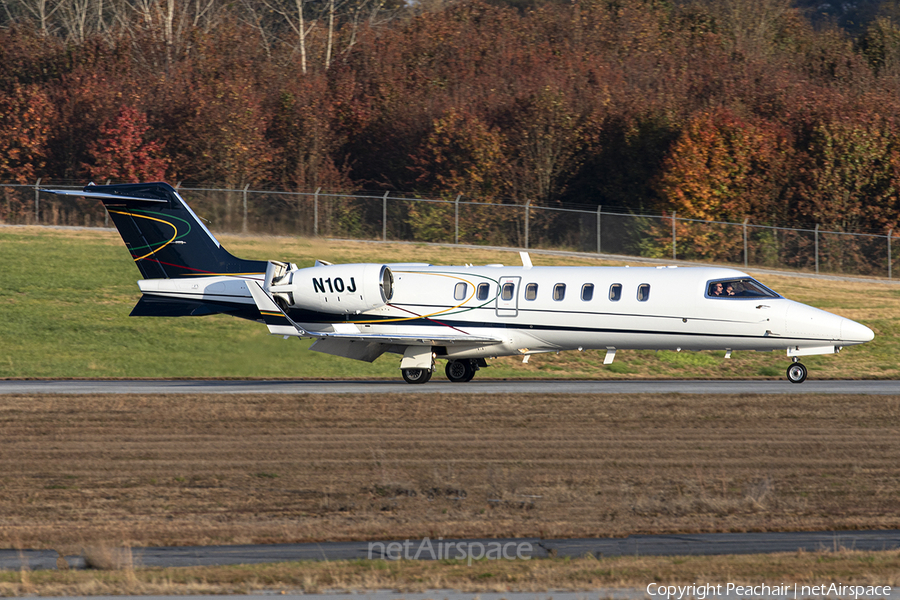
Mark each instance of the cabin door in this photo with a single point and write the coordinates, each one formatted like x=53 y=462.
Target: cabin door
x=508 y=298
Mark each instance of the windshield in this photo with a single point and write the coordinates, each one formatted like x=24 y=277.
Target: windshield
x=744 y=287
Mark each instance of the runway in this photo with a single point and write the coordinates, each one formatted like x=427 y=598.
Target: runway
x=517 y=386
x=518 y=548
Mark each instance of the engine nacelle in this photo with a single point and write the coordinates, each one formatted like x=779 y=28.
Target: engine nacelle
x=344 y=289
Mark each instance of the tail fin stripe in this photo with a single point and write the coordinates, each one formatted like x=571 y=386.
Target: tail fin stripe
x=154 y=251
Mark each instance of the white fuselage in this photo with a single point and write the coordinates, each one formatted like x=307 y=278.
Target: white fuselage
x=674 y=314
x=526 y=310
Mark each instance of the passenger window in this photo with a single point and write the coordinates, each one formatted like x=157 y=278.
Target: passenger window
x=459 y=292
x=484 y=289
x=559 y=291
x=643 y=292
x=531 y=291
x=615 y=292
x=507 y=291
x=587 y=292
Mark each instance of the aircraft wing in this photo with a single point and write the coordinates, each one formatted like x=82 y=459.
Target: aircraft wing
x=280 y=324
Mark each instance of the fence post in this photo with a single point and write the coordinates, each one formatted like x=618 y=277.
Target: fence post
x=316 y=212
x=37 y=202
x=384 y=217
x=674 y=217
x=244 y=225
x=599 y=212
x=456 y=234
x=527 y=218
x=817 y=248
x=890 y=257
x=745 y=241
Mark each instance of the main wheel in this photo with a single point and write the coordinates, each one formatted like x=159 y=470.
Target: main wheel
x=796 y=373
x=460 y=371
x=416 y=375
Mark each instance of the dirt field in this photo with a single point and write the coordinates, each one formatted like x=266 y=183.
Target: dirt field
x=162 y=470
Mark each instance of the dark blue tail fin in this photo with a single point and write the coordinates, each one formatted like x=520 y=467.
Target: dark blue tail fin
x=164 y=236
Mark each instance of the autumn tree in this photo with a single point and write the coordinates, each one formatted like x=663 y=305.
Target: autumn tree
x=461 y=156
x=881 y=47
x=849 y=174
x=122 y=153
x=303 y=129
x=724 y=168
x=26 y=118
x=546 y=142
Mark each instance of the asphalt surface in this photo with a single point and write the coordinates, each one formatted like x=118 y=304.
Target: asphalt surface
x=636 y=545
x=196 y=386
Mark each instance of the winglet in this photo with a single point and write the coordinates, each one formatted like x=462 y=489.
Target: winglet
x=275 y=318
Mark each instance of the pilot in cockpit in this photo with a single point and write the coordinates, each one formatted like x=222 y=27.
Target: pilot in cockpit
x=717 y=290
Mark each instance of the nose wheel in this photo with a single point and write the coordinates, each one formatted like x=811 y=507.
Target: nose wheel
x=796 y=373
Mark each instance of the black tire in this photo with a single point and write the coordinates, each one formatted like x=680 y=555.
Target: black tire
x=460 y=371
x=796 y=373
x=416 y=375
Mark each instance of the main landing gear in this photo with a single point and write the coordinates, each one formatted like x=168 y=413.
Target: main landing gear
x=458 y=371
x=416 y=375
x=796 y=373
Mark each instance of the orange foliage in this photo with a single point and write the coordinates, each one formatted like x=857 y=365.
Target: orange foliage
x=25 y=121
x=122 y=154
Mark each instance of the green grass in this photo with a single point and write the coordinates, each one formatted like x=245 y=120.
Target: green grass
x=64 y=304
x=65 y=297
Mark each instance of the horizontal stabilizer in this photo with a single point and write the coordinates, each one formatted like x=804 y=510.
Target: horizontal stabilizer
x=155 y=306
x=149 y=194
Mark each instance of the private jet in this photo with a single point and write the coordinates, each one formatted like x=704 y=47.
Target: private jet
x=460 y=314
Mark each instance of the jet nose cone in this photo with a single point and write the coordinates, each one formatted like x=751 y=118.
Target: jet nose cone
x=855 y=333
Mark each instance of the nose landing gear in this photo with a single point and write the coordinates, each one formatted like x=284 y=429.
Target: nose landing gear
x=796 y=373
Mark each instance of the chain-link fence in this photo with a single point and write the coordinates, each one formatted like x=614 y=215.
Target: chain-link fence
x=462 y=221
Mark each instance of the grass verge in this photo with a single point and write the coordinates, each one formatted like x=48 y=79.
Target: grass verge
x=846 y=566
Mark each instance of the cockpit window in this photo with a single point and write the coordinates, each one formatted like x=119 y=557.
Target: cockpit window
x=738 y=288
